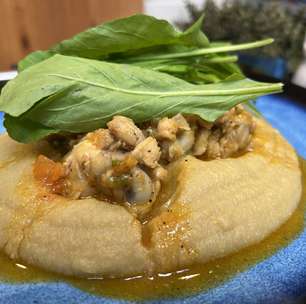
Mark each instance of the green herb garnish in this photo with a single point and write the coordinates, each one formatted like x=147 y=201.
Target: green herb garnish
x=149 y=70
x=134 y=33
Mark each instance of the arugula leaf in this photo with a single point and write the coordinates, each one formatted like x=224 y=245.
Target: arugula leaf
x=121 y=35
x=74 y=94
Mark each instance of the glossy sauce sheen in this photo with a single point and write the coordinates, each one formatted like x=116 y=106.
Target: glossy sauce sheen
x=183 y=282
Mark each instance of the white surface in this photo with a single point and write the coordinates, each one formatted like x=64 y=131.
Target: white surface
x=299 y=77
x=7 y=75
x=171 y=10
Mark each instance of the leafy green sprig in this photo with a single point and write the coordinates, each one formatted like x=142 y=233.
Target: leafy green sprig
x=138 y=66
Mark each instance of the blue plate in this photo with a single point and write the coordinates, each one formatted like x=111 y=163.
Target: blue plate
x=280 y=278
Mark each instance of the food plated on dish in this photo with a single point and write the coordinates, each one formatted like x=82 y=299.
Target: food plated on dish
x=134 y=149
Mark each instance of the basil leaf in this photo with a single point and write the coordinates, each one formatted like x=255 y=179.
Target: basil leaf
x=33 y=58
x=121 y=35
x=25 y=130
x=198 y=52
x=79 y=95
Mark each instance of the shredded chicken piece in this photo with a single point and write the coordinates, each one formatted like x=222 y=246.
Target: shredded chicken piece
x=182 y=145
x=186 y=140
x=181 y=122
x=234 y=141
x=101 y=138
x=85 y=162
x=124 y=129
x=93 y=166
x=233 y=134
x=175 y=151
x=125 y=164
x=167 y=128
x=147 y=152
x=89 y=158
x=178 y=134
x=78 y=184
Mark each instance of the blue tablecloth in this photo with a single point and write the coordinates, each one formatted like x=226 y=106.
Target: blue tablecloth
x=279 y=279
x=288 y=117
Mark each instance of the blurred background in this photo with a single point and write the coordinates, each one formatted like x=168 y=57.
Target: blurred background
x=28 y=25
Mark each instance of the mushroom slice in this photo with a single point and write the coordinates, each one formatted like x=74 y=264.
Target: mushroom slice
x=142 y=188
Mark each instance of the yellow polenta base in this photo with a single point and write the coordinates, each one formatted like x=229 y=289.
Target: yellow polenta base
x=209 y=209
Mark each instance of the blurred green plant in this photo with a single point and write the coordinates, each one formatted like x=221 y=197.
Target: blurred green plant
x=241 y=20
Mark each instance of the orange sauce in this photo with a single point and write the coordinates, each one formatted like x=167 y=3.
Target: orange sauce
x=183 y=282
